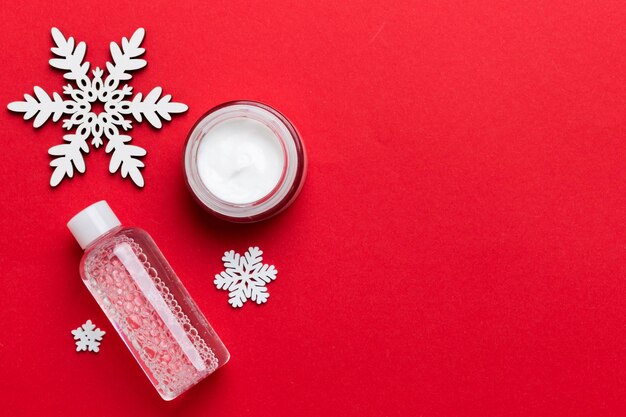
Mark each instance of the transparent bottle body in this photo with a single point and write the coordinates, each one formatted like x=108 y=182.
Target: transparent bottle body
x=152 y=311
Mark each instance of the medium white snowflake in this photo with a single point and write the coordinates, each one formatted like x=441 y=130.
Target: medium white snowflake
x=112 y=92
x=245 y=277
x=88 y=337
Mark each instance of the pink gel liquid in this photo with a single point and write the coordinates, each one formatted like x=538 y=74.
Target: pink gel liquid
x=150 y=308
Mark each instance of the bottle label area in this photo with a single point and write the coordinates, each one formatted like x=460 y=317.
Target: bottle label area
x=147 y=315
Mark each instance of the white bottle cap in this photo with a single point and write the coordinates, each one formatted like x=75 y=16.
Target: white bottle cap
x=92 y=222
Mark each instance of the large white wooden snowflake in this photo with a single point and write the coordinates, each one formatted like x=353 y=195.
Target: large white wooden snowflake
x=88 y=337
x=113 y=92
x=245 y=277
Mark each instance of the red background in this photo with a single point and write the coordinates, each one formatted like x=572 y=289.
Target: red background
x=459 y=247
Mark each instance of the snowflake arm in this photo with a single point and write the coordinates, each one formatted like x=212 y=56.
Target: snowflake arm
x=125 y=157
x=41 y=105
x=68 y=156
x=152 y=107
x=245 y=277
x=125 y=58
x=70 y=58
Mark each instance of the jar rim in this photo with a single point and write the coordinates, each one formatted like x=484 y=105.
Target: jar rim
x=292 y=176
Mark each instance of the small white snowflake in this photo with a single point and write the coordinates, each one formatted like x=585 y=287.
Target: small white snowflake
x=88 y=337
x=245 y=277
x=111 y=91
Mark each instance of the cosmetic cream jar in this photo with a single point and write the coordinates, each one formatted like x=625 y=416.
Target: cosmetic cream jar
x=244 y=161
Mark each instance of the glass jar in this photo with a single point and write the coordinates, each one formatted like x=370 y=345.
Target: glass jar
x=236 y=162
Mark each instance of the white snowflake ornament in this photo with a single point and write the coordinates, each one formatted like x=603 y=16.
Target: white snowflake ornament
x=88 y=337
x=110 y=90
x=245 y=277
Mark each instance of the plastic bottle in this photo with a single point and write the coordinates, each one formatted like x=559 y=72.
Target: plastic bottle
x=145 y=301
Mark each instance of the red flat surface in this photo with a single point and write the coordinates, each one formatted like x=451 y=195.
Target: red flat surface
x=459 y=247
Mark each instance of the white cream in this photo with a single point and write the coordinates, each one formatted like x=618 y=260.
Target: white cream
x=240 y=160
